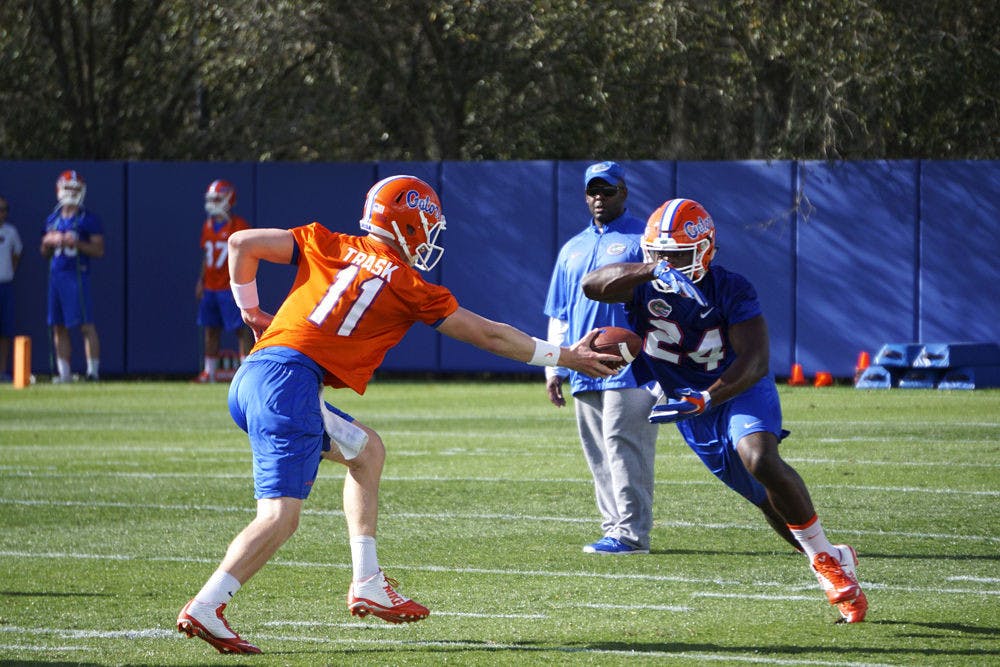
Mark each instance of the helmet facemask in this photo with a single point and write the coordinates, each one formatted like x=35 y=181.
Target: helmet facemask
x=427 y=254
x=216 y=206
x=695 y=267
x=70 y=190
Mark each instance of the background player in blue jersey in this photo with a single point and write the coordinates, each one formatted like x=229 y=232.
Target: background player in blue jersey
x=72 y=236
x=705 y=341
x=618 y=442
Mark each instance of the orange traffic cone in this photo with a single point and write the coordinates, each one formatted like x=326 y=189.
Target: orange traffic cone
x=863 y=362
x=797 y=379
x=823 y=379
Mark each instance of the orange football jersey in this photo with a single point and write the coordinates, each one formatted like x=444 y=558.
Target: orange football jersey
x=352 y=300
x=215 y=245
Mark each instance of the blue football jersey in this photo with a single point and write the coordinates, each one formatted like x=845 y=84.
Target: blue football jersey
x=687 y=345
x=85 y=224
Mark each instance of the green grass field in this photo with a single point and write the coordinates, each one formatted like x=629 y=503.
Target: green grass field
x=117 y=500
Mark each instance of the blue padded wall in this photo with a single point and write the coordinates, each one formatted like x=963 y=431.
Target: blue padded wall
x=845 y=256
x=29 y=187
x=856 y=254
x=752 y=205
x=166 y=210
x=959 y=245
x=500 y=250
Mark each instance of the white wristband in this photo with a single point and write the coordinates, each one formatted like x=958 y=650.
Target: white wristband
x=245 y=295
x=546 y=354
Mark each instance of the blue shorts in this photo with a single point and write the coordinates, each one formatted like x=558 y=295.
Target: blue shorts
x=713 y=436
x=6 y=310
x=218 y=309
x=70 y=304
x=274 y=397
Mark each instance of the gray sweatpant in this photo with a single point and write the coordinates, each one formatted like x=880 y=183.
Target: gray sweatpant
x=619 y=444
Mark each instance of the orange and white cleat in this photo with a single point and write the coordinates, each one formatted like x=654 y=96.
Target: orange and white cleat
x=377 y=595
x=852 y=611
x=206 y=621
x=839 y=580
x=855 y=610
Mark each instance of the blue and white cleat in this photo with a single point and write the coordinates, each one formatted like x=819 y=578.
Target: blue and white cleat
x=612 y=546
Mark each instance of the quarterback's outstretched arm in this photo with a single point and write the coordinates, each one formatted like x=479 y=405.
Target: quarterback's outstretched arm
x=507 y=341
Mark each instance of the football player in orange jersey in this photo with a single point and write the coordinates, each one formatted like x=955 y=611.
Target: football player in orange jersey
x=353 y=298
x=216 y=308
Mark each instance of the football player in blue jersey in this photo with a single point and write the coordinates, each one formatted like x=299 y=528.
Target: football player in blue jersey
x=71 y=238
x=705 y=342
x=618 y=442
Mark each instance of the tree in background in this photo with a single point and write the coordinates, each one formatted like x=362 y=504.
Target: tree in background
x=520 y=79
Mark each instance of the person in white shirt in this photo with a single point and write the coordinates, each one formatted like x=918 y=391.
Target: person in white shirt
x=10 y=256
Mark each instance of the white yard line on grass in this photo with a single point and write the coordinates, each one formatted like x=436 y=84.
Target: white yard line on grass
x=488 y=480
x=614 y=576
x=466 y=516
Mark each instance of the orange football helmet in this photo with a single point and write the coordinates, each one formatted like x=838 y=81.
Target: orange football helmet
x=219 y=198
x=70 y=188
x=406 y=210
x=681 y=225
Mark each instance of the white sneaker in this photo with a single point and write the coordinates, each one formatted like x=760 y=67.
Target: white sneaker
x=206 y=621
x=377 y=595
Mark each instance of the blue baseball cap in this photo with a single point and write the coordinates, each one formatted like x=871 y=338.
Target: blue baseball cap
x=611 y=172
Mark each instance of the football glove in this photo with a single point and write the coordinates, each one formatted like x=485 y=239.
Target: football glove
x=677 y=282
x=689 y=402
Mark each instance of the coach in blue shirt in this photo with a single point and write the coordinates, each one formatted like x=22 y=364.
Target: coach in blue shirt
x=618 y=441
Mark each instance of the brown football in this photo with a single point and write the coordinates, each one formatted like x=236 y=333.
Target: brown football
x=618 y=340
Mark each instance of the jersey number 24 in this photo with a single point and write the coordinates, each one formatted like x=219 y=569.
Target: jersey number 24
x=664 y=343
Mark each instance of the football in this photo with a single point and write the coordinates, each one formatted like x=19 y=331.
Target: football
x=619 y=341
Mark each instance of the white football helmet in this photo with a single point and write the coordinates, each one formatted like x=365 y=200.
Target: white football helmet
x=219 y=198
x=70 y=188
x=406 y=210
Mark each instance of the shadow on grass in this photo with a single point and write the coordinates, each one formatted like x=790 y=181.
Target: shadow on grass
x=993 y=632
x=693 y=651
x=778 y=551
x=712 y=552
x=52 y=594
x=959 y=556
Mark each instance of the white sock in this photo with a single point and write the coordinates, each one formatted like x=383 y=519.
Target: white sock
x=363 y=557
x=219 y=589
x=93 y=366
x=211 y=364
x=813 y=540
x=62 y=367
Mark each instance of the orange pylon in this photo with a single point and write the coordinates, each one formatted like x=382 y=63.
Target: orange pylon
x=797 y=379
x=823 y=379
x=863 y=362
x=22 y=361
